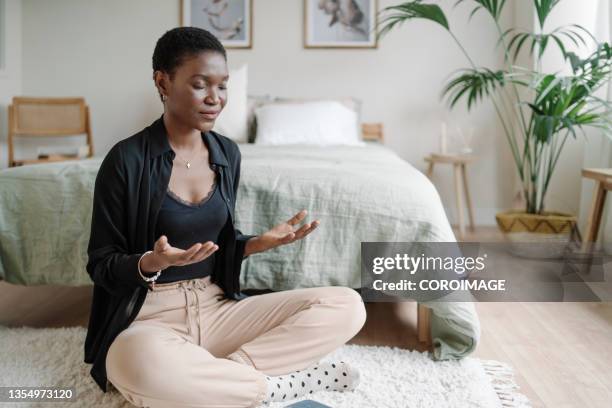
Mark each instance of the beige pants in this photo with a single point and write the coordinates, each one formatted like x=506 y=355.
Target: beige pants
x=188 y=348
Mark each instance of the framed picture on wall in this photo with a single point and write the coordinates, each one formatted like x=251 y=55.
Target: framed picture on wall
x=229 y=20
x=340 y=23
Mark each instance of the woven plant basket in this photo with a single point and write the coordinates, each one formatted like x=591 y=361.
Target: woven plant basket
x=544 y=235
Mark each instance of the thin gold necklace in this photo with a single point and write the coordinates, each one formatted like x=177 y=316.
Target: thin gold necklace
x=187 y=162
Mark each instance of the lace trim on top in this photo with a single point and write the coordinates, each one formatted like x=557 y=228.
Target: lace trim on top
x=189 y=203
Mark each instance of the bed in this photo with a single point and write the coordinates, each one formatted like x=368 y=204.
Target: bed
x=358 y=193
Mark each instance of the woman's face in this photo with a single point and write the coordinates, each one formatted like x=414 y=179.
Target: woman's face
x=197 y=92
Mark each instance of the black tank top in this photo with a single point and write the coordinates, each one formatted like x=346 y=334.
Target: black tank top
x=185 y=224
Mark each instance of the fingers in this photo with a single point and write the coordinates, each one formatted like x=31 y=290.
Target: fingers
x=287 y=238
x=183 y=256
x=306 y=229
x=313 y=226
x=297 y=218
x=205 y=251
x=190 y=253
x=300 y=232
x=198 y=252
x=195 y=249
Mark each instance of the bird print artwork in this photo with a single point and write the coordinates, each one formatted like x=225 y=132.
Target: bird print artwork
x=228 y=20
x=225 y=27
x=347 y=13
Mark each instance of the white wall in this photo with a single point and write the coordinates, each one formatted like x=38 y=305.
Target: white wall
x=399 y=84
x=102 y=50
x=10 y=77
x=565 y=187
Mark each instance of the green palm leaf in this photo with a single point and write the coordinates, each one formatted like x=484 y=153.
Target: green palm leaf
x=570 y=32
x=557 y=106
x=475 y=84
x=393 y=16
x=543 y=9
x=493 y=7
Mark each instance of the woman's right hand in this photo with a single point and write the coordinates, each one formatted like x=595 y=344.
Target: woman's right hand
x=165 y=255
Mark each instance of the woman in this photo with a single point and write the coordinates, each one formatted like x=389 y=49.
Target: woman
x=168 y=325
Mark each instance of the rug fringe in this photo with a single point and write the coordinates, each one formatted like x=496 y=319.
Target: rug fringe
x=501 y=376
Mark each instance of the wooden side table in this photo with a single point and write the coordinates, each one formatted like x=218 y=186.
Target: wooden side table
x=459 y=163
x=603 y=183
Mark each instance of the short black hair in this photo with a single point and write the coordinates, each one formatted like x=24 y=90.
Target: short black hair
x=181 y=42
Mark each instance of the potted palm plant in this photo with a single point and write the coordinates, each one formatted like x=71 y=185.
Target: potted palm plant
x=538 y=111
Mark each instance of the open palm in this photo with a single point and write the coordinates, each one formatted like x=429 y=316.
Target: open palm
x=172 y=256
x=286 y=232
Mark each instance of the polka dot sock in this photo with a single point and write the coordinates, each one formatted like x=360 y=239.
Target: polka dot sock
x=328 y=376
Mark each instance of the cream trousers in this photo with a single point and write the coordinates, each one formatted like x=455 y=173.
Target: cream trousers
x=189 y=348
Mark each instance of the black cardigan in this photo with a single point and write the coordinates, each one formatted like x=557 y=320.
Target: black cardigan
x=128 y=193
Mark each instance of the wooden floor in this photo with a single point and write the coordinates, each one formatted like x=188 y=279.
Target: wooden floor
x=561 y=352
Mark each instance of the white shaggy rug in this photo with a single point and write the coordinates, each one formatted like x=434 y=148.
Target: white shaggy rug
x=390 y=377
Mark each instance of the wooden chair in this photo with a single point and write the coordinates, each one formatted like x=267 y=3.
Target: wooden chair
x=42 y=117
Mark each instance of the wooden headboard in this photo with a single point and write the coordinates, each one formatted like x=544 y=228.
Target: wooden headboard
x=372 y=132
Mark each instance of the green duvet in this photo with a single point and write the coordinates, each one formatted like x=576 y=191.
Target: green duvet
x=358 y=194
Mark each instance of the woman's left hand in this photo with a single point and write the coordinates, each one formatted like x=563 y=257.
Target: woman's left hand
x=281 y=234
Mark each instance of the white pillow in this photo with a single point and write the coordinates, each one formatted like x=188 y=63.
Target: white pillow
x=232 y=121
x=322 y=123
